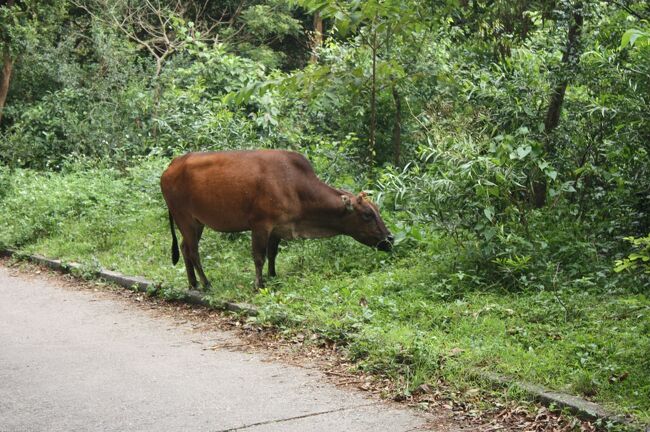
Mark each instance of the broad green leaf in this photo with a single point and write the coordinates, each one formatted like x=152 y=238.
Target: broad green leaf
x=489 y=213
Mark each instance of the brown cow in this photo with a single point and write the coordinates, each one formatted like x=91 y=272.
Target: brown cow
x=273 y=193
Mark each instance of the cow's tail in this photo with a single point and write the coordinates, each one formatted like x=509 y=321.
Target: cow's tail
x=175 y=255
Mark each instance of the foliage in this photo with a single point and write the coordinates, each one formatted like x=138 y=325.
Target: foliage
x=421 y=314
x=439 y=110
x=26 y=23
x=639 y=259
x=634 y=36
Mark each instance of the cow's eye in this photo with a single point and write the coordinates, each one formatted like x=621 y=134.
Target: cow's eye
x=366 y=216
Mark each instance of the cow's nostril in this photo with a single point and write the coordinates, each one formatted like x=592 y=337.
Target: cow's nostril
x=386 y=244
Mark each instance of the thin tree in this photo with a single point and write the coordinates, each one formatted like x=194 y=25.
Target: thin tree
x=7 y=66
x=570 y=59
x=317 y=39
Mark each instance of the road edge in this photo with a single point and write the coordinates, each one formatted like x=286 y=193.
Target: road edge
x=577 y=406
x=134 y=283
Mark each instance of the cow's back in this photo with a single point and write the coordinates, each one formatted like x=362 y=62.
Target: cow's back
x=231 y=191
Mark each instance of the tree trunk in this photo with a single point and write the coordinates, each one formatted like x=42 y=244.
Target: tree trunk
x=157 y=91
x=7 y=68
x=318 y=37
x=373 y=103
x=397 y=127
x=570 y=59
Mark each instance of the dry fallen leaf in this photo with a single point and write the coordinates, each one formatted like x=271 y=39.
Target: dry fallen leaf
x=456 y=351
x=363 y=302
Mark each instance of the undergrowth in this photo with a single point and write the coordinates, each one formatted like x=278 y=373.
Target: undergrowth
x=428 y=311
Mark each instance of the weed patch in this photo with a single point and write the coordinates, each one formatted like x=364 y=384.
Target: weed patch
x=418 y=315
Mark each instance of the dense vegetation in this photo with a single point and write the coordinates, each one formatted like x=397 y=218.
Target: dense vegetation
x=507 y=142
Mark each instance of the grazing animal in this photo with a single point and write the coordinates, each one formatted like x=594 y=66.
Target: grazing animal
x=273 y=193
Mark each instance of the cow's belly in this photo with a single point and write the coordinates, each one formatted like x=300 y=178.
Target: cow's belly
x=223 y=218
x=223 y=226
x=302 y=230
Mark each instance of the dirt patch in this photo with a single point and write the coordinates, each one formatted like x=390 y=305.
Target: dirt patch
x=449 y=409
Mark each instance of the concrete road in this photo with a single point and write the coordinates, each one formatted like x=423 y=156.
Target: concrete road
x=75 y=361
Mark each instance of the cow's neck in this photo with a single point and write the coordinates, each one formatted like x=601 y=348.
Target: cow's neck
x=323 y=214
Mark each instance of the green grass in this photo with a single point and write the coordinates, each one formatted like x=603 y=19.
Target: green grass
x=411 y=314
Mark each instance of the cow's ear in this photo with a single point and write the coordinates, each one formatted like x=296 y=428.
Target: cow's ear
x=347 y=203
x=362 y=195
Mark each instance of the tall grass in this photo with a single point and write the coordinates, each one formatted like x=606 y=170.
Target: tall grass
x=422 y=313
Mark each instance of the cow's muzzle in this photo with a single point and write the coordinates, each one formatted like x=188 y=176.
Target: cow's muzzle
x=386 y=244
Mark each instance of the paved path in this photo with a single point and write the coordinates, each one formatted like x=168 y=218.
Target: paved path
x=74 y=361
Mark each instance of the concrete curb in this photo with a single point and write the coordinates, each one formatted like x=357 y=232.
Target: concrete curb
x=581 y=408
x=577 y=406
x=135 y=283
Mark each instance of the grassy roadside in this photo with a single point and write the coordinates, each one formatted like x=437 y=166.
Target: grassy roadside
x=408 y=315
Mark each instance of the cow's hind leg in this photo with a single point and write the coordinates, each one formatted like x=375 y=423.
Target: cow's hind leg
x=191 y=230
x=260 y=240
x=189 y=267
x=272 y=252
x=196 y=259
x=184 y=222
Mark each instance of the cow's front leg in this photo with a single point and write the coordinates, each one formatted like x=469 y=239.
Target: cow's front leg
x=260 y=239
x=272 y=252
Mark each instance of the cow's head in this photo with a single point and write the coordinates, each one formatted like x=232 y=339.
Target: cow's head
x=364 y=224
